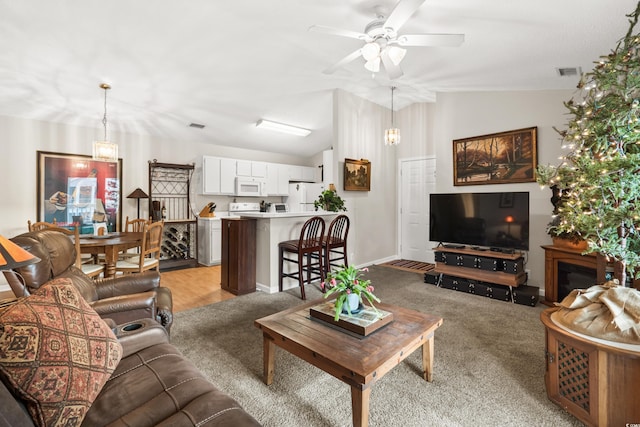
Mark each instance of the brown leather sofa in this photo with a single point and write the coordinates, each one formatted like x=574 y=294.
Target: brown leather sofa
x=153 y=385
x=122 y=299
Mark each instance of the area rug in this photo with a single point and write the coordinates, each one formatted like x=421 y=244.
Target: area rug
x=488 y=364
x=408 y=265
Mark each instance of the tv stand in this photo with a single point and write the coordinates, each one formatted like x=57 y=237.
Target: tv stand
x=454 y=246
x=480 y=269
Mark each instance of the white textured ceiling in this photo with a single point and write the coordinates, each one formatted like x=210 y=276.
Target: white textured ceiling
x=226 y=64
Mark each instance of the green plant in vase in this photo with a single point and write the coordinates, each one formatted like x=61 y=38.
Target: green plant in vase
x=347 y=282
x=330 y=201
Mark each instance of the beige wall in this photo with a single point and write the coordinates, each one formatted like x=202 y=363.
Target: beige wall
x=427 y=130
x=22 y=138
x=463 y=115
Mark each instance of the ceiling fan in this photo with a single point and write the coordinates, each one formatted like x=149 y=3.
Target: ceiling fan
x=383 y=45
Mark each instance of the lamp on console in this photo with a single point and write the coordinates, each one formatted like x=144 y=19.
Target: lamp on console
x=138 y=194
x=13 y=256
x=509 y=220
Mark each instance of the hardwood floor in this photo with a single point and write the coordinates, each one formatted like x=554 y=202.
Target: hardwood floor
x=194 y=287
x=190 y=287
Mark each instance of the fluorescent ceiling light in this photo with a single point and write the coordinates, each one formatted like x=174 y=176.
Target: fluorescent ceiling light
x=281 y=127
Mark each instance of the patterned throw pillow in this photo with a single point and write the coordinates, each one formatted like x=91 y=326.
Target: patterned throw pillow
x=56 y=353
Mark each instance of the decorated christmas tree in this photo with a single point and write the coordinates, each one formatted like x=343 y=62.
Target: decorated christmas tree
x=599 y=178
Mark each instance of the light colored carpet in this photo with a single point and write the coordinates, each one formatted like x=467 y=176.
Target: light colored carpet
x=488 y=367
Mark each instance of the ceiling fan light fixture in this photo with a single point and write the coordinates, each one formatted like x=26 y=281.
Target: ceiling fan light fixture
x=396 y=54
x=370 y=51
x=282 y=128
x=373 y=65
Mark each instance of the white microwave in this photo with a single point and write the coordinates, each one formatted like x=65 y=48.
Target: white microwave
x=251 y=187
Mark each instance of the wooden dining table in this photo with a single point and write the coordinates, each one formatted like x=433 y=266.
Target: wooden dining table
x=110 y=245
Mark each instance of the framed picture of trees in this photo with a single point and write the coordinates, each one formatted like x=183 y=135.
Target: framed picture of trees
x=498 y=158
x=357 y=175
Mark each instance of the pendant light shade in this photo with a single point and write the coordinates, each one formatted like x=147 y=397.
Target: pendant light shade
x=392 y=135
x=104 y=150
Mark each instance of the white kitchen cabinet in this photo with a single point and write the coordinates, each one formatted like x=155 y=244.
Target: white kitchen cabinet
x=218 y=175
x=209 y=241
x=251 y=169
x=258 y=169
x=302 y=173
x=283 y=180
x=243 y=167
x=210 y=175
x=309 y=174
x=327 y=168
x=277 y=179
x=227 y=176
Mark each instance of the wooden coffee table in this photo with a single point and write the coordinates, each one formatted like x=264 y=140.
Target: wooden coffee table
x=356 y=361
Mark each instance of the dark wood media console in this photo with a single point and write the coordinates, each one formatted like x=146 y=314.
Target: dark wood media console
x=489 y=273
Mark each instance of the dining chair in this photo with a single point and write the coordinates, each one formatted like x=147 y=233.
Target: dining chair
x=135 y=224
x=334 y=244
x=309 y=243
x=40 y=225
x=149 y=257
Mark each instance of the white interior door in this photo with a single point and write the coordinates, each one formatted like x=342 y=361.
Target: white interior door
x=418 y=180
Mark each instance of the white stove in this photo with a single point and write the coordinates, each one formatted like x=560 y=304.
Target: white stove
x=236 y=208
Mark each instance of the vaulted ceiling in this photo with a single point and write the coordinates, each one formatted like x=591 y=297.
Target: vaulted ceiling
x=227 y=64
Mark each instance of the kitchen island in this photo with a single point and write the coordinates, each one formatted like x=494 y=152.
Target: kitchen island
x=273 y=228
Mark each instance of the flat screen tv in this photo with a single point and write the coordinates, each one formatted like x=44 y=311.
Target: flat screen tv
x=488 y=220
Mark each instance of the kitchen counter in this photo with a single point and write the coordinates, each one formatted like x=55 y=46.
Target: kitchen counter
x=271 y=229
x=262 y=215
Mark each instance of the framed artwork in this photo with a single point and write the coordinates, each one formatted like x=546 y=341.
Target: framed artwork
x=498 y=158
x=357 y=175
x=506 y=200
x=74 y=189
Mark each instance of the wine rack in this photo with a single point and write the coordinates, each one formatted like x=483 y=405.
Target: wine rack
x=169 y=186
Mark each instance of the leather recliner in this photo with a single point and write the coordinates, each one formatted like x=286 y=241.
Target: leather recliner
x=122 y=298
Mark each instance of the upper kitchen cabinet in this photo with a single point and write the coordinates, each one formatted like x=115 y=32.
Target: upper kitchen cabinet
x=210 y=175
x=218 y=175
x=277 y=179
x=251 y=169
x=302 y=173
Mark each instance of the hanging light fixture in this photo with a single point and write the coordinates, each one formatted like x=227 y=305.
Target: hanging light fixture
x=104 y=150
x=392 y=135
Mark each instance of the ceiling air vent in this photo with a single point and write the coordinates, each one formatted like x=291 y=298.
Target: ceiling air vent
x=569 y=71
x=196 y=125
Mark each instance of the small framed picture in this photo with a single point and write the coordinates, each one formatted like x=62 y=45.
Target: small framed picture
x=506 y=200
x=357 y=175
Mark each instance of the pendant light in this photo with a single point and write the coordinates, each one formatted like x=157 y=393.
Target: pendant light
x=104 y=150
x=392 y=135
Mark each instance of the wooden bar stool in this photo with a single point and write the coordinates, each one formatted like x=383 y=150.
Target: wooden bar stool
x=335 y=243
x=309 y=243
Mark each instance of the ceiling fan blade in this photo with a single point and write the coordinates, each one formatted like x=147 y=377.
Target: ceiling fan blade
x=339 y=32
x=344 y=61
x=402 y=12
x=430 y=40
x=393 y=71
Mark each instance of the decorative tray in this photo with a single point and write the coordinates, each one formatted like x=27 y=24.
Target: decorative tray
x=363 y=323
